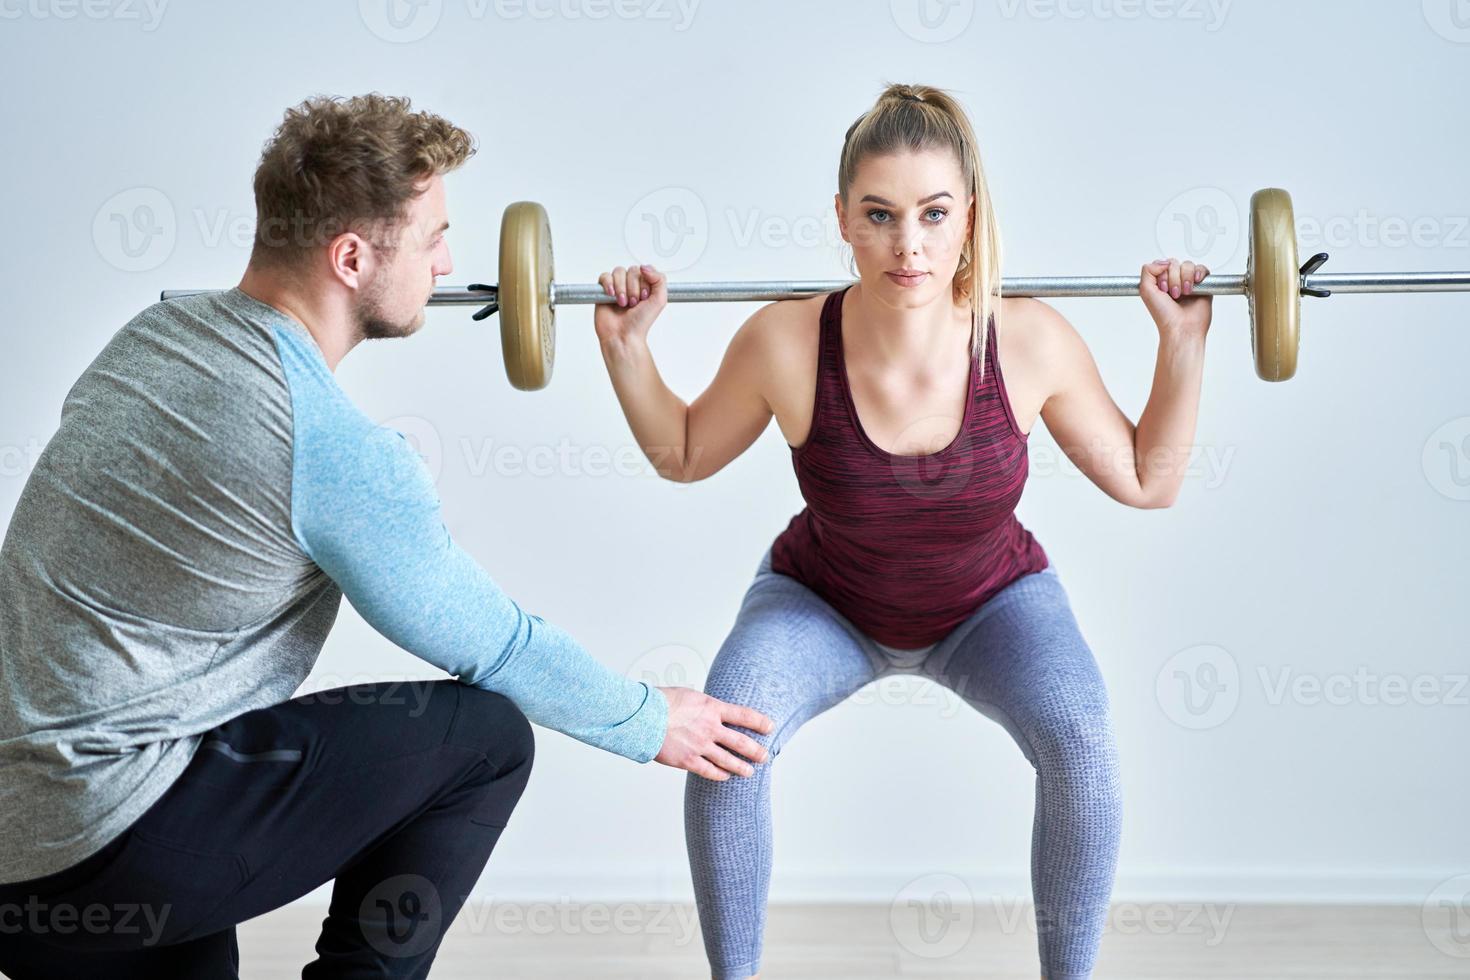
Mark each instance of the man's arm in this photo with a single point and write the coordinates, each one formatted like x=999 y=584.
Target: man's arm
x=365 y=510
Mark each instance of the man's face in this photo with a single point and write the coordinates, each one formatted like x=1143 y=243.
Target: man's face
x=392 y=302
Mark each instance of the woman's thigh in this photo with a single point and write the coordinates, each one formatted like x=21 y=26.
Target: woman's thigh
x=789 y=655
x=1021 y=660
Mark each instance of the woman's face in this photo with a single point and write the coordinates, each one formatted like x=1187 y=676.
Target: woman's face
x=907 y=218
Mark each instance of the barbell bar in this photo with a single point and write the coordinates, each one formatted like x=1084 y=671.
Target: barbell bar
x=527 y=295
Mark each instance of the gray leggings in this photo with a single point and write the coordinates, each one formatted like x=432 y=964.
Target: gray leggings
x=1019 y=659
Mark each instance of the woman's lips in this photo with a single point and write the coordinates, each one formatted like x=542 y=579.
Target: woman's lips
x=909 y=280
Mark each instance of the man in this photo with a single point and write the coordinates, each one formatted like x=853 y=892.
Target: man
x=170 y=574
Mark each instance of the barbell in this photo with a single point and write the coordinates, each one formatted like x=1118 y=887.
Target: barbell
x=527 y=295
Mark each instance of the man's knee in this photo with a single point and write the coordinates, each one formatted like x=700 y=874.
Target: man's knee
x=491 y=723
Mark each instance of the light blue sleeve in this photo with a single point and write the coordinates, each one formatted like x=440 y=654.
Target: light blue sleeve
x=365 y=509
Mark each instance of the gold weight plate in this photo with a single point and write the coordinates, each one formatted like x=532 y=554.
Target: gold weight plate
x=527 y=319
x=1273 y=278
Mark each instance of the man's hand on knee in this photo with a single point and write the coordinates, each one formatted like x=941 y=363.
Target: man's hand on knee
x=700 y=737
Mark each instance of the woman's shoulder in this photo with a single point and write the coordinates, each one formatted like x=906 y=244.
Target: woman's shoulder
x=1031 y=327
x=779 y=345
x=1039 y=349
x=784 y=334
x=779 y=319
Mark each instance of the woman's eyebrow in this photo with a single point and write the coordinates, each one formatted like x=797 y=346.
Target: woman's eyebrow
x=878 y=200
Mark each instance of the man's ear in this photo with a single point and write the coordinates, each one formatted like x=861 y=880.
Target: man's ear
x=345 y=256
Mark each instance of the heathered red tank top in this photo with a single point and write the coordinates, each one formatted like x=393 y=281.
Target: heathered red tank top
x=907 y=547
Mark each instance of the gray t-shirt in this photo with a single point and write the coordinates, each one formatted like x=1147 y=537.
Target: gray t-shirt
x=180 y=552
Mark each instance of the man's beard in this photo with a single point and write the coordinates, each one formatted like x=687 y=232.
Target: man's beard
x=372 y=322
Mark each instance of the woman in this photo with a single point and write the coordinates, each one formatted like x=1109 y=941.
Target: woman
x=909 y=446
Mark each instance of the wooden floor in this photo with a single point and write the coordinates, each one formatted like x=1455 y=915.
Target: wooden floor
x=1164 y=941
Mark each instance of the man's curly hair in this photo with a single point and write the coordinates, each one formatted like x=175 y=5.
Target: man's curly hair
x=346 y=164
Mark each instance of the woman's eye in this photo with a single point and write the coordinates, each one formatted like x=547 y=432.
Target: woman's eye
x=939 y=211
x=874 y=216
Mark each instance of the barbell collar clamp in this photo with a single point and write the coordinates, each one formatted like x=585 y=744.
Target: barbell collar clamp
x=492 y=307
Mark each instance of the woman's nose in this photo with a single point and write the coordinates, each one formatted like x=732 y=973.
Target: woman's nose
x=909 y=240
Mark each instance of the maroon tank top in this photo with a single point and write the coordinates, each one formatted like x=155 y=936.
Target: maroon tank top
x=907 y=547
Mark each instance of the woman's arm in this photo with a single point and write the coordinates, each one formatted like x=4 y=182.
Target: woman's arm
x=1142 y=465
x=684 y=442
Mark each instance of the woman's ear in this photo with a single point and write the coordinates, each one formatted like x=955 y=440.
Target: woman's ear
x=841 y=217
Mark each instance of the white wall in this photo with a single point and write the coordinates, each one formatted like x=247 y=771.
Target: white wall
x=1324 y=533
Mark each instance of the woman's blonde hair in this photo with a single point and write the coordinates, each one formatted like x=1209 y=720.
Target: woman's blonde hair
x=915 y=118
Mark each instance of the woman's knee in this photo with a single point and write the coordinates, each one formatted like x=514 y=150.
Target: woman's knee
x=745 y=671
x=1073 y=734
x=745 y=677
